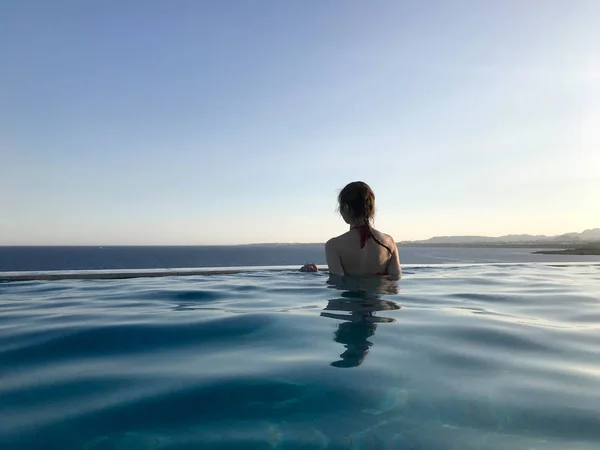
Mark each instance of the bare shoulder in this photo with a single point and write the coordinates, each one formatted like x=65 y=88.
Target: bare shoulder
x=387 y=238
x=392 y=243
x=390 y=239
x=332 y=243
x=338 y=243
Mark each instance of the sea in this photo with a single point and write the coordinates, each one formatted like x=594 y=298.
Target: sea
x=472 y=349
x=166 y=257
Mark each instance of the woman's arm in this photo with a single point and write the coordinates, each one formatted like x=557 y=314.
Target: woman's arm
x=393 y=267
x=309 y=267
x=333 y=259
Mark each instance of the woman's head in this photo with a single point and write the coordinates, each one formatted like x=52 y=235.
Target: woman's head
x=356 y=203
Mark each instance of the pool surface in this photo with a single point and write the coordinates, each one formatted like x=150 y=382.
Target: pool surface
x=451 y=357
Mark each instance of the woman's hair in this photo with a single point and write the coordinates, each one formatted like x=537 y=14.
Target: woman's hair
x=360 y=200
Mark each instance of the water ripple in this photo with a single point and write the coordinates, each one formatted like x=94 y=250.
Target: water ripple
x=467 y=356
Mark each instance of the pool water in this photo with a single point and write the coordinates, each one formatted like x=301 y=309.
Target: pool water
x=451 y=357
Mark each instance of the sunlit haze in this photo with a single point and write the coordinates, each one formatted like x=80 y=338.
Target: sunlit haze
x=186 y=122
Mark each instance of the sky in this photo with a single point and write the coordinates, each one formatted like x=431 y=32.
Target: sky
x=191 y=122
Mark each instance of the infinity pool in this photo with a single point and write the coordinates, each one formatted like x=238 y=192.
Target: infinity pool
x=451 y=357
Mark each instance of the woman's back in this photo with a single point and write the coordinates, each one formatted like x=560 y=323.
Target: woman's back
x=362 y=250
x=369 y=259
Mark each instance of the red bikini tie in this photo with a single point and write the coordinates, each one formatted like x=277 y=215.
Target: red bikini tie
x=364 y=234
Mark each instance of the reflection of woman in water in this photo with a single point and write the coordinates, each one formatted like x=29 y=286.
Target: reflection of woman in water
x=360 y=300
x=362 y=250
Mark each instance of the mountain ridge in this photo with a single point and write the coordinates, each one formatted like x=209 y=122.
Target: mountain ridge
x=589 y=235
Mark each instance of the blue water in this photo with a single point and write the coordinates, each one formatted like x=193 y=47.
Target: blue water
x=452 y=357
x=159 y=257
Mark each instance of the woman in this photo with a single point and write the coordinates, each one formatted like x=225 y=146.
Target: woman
x=362 y=250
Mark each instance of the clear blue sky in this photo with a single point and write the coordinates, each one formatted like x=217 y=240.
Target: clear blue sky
x=196 y=122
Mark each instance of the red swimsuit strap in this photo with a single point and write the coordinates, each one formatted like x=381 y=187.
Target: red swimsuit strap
x=364 y=234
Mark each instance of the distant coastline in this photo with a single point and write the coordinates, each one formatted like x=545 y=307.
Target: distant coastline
x=486 y=245
x=589 y=249
x=584 y=243
x=568 y=241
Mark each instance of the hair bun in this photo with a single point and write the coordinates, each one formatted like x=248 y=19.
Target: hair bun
x=360 y=198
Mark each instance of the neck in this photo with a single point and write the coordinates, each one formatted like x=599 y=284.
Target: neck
x=357 y=223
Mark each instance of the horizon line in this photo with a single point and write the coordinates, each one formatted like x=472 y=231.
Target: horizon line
x=295 y=243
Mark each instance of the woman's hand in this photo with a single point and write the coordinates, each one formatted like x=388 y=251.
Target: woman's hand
x=309 y=268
